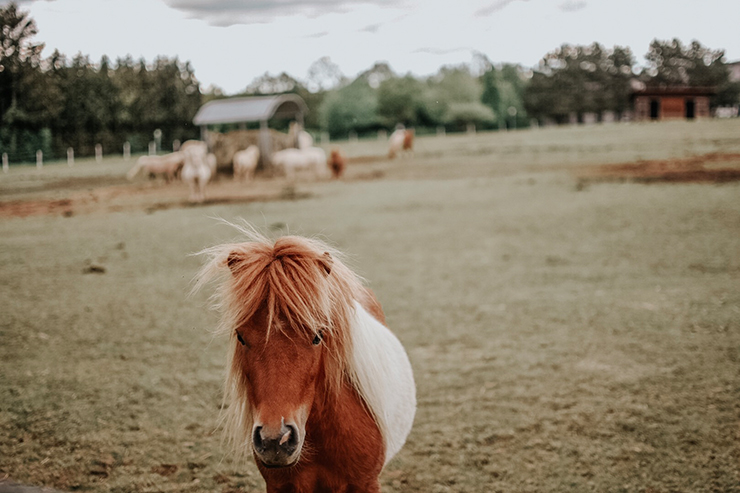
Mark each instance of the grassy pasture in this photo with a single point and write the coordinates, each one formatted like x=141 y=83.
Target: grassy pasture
x=563 y=338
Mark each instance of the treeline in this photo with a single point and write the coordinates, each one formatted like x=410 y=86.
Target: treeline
x=56 y=102
x=379 y=98
x=568 y=84
x=575 y=80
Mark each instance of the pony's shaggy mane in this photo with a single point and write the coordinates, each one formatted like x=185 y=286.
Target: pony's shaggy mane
x=300 y=279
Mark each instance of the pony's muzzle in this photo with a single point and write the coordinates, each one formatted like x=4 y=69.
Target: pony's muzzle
x=276 y=448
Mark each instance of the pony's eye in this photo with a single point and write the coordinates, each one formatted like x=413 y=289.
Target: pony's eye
x=317 y=339
x=239 y=338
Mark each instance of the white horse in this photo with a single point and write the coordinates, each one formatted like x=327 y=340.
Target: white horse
x=292 y=161
x=212 y=163
x=167 y=165
x=245 y=163
x=196 y=171
x=303 y=139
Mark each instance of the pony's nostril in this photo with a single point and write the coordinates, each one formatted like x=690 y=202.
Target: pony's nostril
x=257 y=438
x=289 y=442
x=293 y=438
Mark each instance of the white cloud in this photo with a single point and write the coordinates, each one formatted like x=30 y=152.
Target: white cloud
x=231 y=12
x=572 y=5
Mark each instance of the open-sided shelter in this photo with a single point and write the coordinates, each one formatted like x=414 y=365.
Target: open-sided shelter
x=243 y=110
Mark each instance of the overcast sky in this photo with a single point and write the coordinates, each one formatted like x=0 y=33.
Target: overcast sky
x=230 y=42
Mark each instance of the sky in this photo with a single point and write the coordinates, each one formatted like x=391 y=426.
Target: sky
x=231 y=42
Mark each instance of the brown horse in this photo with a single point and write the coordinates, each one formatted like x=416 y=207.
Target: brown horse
x=408 y=140
x=337 y=163
x=318 y=389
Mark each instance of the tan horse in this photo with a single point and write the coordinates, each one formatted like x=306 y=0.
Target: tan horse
x=196 y=171
x=245 y=163
x=167 y=165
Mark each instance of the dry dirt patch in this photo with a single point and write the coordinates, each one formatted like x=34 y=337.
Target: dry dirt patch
x=708 y=168
x=147 y=196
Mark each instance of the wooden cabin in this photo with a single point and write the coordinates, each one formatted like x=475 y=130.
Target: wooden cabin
x=672 y=103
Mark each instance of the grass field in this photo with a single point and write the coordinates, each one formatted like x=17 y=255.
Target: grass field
x=563 y=337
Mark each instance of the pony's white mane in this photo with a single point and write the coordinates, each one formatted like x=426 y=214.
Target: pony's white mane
x=362 y=351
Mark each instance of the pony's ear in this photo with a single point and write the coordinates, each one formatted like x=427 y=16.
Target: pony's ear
x=326 y=262
x=233 y=261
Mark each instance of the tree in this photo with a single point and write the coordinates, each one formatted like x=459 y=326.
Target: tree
x=491 y=96
x=272 y=84
x=25 y=103
x=401 y=100
x=670 y=63
x=16 y=49
x=454 y=98
x=353 y=107
x=323 y=75
x=574 y=80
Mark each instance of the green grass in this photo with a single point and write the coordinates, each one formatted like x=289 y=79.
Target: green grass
x=562 y=340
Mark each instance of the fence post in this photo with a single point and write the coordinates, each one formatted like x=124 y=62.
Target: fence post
x=157 y=140
x=441 y=132
x=98 y=153
x=126 y=151
x=352 y=136
x=39 y=159
x=70 y=157
x=152 y=148
x=382 y=134
x=325 y=137
x=6 y=166
x=471 y=128
x=176 y=145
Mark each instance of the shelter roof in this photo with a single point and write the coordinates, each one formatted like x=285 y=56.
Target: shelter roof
x=250 y=109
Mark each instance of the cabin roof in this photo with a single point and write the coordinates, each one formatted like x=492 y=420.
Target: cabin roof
x=674 y=91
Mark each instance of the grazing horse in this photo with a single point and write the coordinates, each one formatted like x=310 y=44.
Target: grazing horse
x=167 y=165
x=293 y=161
x=337 y=162
x=400 y=140
x=408 y=140
x=318 y=390
x=300 y=137
x=245 y=163
x=196 y=171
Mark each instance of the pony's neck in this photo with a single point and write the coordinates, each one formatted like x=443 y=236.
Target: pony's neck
x=338 y=417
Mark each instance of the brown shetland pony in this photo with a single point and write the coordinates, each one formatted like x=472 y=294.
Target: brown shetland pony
x=408 y=140
x=318 y=389
x=337 y=163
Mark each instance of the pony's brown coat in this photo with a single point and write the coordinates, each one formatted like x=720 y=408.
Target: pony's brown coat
x=337 y=163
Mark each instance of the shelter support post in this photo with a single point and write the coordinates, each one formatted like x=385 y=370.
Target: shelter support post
x=265 y=145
